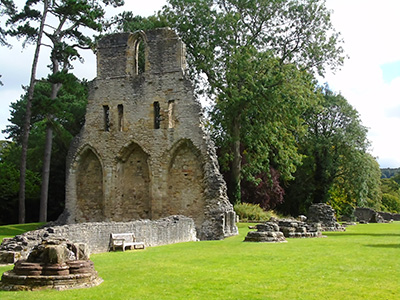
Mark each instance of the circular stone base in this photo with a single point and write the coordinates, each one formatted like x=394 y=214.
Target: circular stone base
x=13 y=282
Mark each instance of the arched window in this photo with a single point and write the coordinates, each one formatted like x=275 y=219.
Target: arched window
x=140 y=57
x=136 y=54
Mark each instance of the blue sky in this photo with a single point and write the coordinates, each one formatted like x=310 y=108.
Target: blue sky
x=390 y=71
x=369 y=79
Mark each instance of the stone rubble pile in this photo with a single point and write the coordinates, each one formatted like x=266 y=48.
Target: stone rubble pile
x=297 y=229
x=325 y=215
x=266 y=232
x=278 y=230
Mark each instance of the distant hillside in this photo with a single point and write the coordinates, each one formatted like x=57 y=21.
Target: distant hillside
x=389 y=172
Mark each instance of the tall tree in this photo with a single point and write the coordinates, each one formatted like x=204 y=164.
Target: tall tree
x=336 y=164
x=9 y=183
x=7 y=7
x=390 y=195
x=68 y=110
x=65 y=33
x=233 y=44
x=31 y=35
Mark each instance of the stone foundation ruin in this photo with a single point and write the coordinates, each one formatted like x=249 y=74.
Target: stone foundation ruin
x=276 y=231
x=52 y=264
x=266 y=232
x=143 y=152
x=321 y=217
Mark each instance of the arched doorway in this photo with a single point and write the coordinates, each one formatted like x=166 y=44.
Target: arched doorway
x=185 y=183
x=133 y=181
x=89 y=188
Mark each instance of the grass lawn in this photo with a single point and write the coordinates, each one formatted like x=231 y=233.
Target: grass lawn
x=361 y=263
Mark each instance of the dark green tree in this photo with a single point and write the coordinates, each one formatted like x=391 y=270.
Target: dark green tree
x=68 y=110
x=9 y=184
x=252 y=55
x=7 y=7
x=128 y=22
x=390 y=195
x=336 y=167
x=65 y=31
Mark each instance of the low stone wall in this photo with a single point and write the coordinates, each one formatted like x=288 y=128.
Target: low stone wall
x=368 y=215
x=389 y=216
x=173 y=229
x=364 y=214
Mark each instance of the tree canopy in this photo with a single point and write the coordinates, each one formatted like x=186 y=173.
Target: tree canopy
x=336 y=167
x=258 y=59
x=68 y=110
x=63 y=24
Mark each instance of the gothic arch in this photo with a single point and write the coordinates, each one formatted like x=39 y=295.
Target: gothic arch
x=186 y=182
x=133 y=200
x=89 y=186
x=137 y=53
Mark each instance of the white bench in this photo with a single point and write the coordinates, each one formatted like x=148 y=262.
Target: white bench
x=125 y=240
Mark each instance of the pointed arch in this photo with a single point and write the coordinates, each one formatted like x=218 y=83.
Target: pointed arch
x=186 y=182
x=137 y=53
x=89 y=186
x=133 y=184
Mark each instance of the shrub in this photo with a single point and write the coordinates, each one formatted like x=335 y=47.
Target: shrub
x=248 y=212
x=390 y=203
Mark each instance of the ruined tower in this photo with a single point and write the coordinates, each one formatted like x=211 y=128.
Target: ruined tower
x=143 y=152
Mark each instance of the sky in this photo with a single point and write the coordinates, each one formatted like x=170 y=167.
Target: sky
x=369 y=79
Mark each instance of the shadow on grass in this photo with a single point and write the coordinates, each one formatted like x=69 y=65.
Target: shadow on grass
x=388 y=246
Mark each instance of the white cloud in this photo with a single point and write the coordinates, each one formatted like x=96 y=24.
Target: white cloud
x=369 y=30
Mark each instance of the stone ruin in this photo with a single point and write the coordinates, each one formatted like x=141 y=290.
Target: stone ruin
x=96 y=235
x=321 y=217
x=325 y=215
x=276 y=231
x=299 y=228
x=52 y=264
x=143 y=152
x=142 y=162
x=368 y=215
x=266 y=232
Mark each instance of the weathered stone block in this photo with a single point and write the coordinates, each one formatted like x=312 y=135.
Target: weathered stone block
x=9 y=257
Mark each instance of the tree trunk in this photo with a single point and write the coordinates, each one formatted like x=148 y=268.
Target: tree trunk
x=46 y=173
x=236 y=166
x=27 y=122
x=44 y=192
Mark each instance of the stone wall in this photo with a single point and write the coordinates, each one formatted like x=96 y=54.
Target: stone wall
x=325 y=215
x=368 y=215
x=174 y=229
x=387 y=216
x=143 y=152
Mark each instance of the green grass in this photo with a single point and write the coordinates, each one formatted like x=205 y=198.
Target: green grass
x=361 y=263
x=13 y=230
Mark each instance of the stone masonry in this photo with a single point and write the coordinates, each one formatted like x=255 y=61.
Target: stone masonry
x=325 y=215
x=96 y=235
x=143 y=152
x=368 y=215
